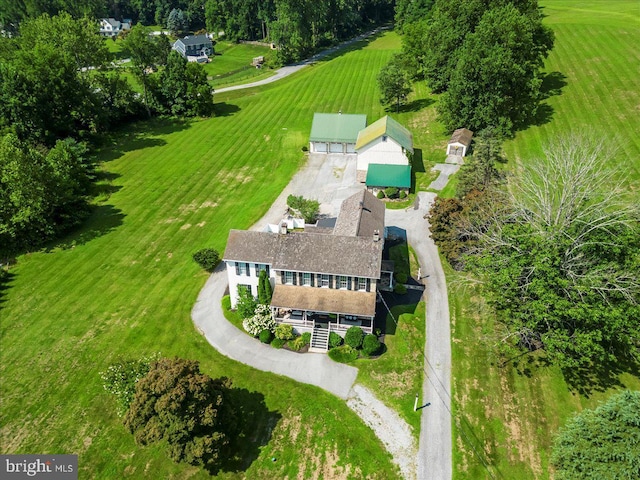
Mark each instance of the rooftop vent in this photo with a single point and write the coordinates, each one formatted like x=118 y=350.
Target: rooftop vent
x=376 y=236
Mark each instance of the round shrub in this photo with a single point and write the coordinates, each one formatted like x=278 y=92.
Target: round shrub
x=343 y=354
x=266 y=336
x=335 y=340
x=400 y=289
x=391 y=192
x=401 y=277
x=207 y=258
x=306 y=338
x=380 y=194
x=402 y=194
x=284 y=331
x=278 y=343
x=354 y=337
x=370 y=345
x=305 y=148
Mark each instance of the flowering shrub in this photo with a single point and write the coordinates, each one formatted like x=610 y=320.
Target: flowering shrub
x=120 y=379
x=261 y=320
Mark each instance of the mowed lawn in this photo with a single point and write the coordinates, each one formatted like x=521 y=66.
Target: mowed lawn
x=124 y=286
x=595 y=66
x=231 y=64
x=506 y=416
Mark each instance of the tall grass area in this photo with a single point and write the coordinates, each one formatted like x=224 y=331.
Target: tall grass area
x=124 y=285
x=506 y=415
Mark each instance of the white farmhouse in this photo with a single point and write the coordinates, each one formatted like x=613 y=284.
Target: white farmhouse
x=324 y=278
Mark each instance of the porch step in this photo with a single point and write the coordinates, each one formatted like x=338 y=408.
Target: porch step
x=320 y=339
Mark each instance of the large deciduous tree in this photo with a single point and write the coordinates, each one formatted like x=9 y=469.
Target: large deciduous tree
x=46 y=92
x=485 y=55
x=561 y=263
x=496 y=80
x=41 y=192
x=601 y=443
x=394 y=84
x=176 y=403
x=145 y=53
x=184 y=88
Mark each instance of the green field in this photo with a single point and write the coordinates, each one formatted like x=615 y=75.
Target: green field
x=594 y=67
x=506 y=416
x=123 y=286
x=231 y=64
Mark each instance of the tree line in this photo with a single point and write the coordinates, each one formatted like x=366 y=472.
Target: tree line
x=484 y=56
x=59 y=91
x=297 y=27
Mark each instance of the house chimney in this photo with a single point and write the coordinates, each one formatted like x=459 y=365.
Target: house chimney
x=283 y=228
x=376 y=236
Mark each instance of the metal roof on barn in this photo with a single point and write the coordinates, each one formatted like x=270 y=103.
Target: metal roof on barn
x=383 y=175
x=389 y=127
x=337 y=127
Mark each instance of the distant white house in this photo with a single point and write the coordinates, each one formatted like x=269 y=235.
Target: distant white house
x=460 y=142
x=384 y=142
x=110 y=27
x=335 y=132
x=194 y=47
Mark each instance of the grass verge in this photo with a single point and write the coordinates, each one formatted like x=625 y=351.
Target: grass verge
x=396 y=376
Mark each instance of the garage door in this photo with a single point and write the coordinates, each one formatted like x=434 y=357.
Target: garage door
x=335 y=148
x=351 y=148
x=320 y=147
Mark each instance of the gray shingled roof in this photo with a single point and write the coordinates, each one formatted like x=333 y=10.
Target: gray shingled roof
x=463 y=136
x=307 y=252
x=350 y=250
x=318 y=253
x=325 y=300
x=360 y=215
x=195 y=40
x=251 y=246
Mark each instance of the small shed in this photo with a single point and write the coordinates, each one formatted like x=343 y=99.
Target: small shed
x=335 y=132
x=460 y=142
x=257 y=61
x=381 y=176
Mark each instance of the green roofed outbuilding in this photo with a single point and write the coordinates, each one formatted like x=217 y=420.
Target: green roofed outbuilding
x=381 y=176
x=335 y=132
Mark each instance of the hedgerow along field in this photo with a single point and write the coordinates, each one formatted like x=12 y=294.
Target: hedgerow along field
x=507 y=415
x=123 y=286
